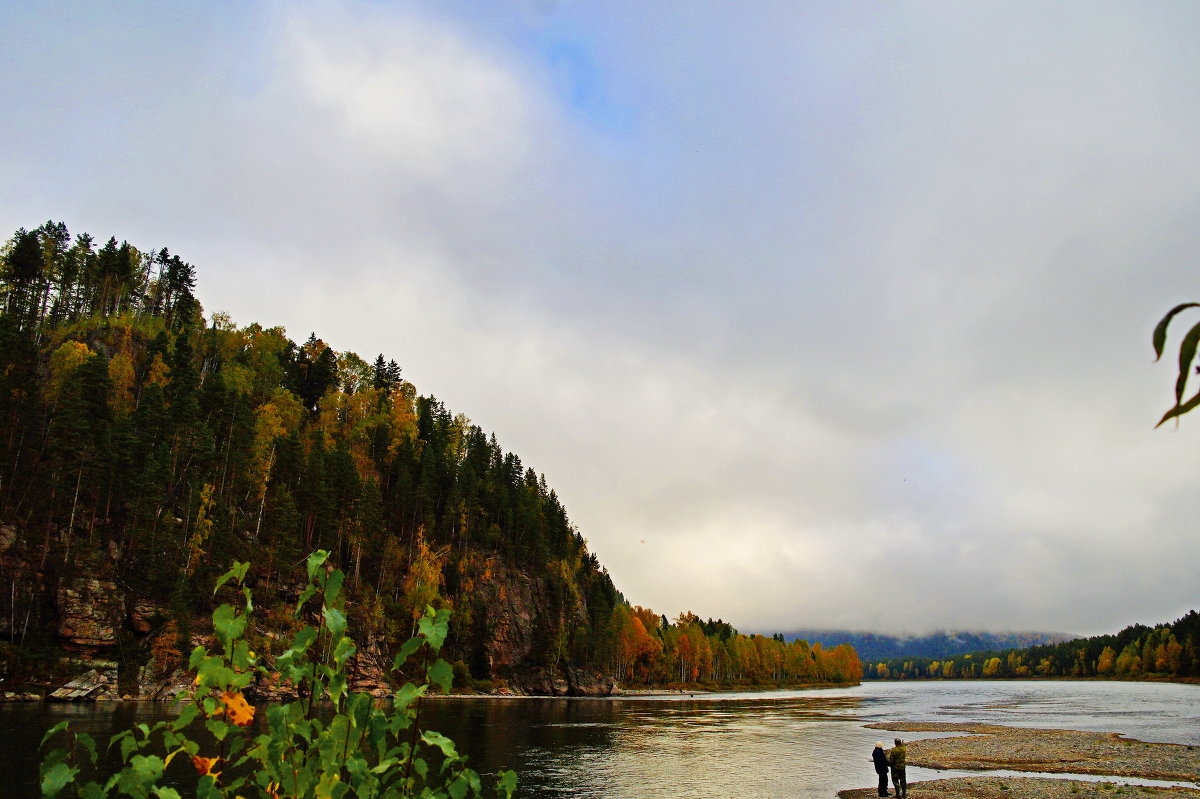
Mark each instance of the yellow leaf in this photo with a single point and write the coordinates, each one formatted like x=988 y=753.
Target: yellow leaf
x=239 y=711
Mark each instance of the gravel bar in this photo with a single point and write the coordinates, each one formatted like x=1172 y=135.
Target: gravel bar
x=992 y=746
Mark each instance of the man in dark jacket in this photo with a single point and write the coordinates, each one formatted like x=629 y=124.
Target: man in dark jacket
x=881 y=767
x=897 y=758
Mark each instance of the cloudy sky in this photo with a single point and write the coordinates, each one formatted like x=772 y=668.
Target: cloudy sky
x=814 y=314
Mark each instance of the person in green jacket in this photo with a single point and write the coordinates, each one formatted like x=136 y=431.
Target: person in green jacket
x=897 y=756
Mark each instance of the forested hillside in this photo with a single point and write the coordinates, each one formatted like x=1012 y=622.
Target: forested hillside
x=1167 y=651
x=144 y=446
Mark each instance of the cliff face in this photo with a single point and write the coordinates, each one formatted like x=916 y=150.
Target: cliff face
x=520 y=609
x=102 y=639
x=89 y=612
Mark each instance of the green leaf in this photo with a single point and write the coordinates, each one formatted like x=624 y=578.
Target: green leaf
x=301 y=641
x=236 y=572
x=56 y=777
x=52 y=757
x=406 y=651
x=218 y=728
x=166 y=793
x=1179 y=410
x=361 y=778
x=241 y=655
x=315 y=560
x=147 y=768
x=197 y=657
x=236 y=745
x=186 y=716
x=440 y=674
x=333 y=586
x=206 y=788
x=433 y=628
x=128 y=747
x=441 y=742
x=214 y=672
x=335 y=620
x=330 y=786
x=1160 y=330
x=506 y=782
x=86 y=741
x=458 y=787
x=91 y=790
x=344 y=650
x=308 y=593
x=1187 y=354
x=228 y=624
x=408 y=694
x=57 y=728
x=384 y=765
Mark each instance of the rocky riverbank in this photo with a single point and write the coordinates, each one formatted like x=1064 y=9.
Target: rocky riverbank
x=991 y=746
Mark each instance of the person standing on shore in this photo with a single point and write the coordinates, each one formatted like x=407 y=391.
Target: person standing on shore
x=881 y=767
x=896 y=758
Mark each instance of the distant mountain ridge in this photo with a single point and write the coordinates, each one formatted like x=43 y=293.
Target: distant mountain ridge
x=941 y=644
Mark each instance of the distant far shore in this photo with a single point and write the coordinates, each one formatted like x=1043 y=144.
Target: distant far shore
x=1042 y=678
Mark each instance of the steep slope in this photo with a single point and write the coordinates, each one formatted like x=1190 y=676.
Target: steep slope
x=144 y=447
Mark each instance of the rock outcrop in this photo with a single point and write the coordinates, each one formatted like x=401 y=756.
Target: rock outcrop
x=98 y=622
x=98 y=683
x=88 y=613
x=521 y=611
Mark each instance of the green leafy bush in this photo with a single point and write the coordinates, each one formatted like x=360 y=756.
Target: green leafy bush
x=330 y=743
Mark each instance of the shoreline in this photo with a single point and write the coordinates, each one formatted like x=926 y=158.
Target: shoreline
x=13 y=697
x=988 y=747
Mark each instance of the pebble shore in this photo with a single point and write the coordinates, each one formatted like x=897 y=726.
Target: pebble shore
x=992 y=746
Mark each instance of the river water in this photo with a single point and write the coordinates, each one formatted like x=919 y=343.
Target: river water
x=776 y=745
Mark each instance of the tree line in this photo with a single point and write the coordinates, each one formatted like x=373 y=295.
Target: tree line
x=1138 y=651
x=650 y=650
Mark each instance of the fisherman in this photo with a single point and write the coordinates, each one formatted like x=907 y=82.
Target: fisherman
x=881 y=767
x=896 y=759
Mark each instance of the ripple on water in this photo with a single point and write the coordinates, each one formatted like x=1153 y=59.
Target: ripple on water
x=782 y=745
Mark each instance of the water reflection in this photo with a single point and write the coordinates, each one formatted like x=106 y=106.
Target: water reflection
x=779 y=745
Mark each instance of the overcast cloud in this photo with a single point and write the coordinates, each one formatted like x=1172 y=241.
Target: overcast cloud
x=821 y=314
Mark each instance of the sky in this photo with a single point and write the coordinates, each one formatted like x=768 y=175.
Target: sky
x=823 y=314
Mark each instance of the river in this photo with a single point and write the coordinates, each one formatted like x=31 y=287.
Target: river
x=776 y=745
